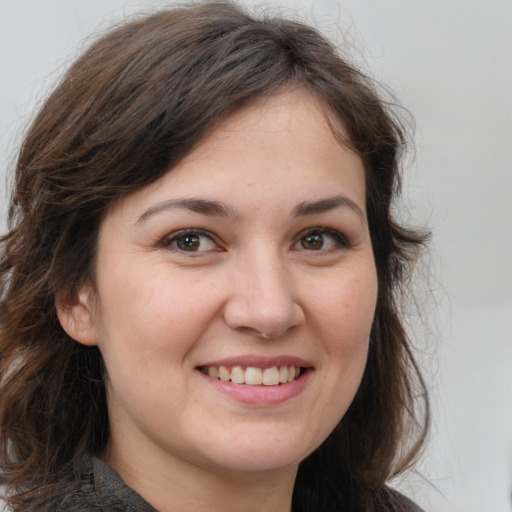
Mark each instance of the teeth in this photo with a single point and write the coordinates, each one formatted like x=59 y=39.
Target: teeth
x=224 y=374
x=213 y=372
x=253 y=376
x=271 y=376
x=237 y=375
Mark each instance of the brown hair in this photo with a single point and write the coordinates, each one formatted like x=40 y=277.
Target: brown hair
x=134 y=104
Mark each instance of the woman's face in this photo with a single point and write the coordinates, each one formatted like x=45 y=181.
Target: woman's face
x=234 y=297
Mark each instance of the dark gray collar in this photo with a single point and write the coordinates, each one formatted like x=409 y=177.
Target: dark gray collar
x=113 y=494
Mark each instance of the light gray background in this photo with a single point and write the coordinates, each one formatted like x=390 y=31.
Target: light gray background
x=450 y=64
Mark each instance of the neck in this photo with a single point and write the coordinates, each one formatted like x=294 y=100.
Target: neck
x=180 y=486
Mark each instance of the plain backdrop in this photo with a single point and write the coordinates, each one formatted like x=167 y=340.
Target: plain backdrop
x=450 y=63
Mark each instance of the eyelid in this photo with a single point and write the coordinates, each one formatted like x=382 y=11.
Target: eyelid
x=169 y=239
x=340 y=239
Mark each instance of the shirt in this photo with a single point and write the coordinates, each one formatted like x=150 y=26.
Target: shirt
x=101 y=489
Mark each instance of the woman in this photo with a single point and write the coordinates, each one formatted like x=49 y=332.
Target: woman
x=201 y=278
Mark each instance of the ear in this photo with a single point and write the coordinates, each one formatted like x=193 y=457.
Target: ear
x=76 y=314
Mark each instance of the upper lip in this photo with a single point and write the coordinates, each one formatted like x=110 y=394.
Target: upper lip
x=259 y=361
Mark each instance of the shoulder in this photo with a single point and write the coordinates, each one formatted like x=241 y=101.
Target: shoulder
x=67 y=495
x=76 y=496
x=98 y=488
x=103 y=490
x=397 y=502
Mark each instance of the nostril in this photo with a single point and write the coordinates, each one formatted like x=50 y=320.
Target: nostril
x=263 y=303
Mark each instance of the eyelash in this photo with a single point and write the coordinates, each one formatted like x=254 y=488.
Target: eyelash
x=173 y=239
x=339 y=240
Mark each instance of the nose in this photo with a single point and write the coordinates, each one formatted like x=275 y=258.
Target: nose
x=262 y=300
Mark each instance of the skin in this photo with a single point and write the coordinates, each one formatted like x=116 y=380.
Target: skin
x=263 y=280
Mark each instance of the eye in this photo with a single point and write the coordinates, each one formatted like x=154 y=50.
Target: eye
x=317 y=239
x=190 y=241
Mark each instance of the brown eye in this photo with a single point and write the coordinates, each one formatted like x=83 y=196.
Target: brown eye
x=188 y=243
x=321 y=239
x=312 y=242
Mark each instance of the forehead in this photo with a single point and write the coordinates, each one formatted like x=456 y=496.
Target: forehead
x=295 y=111
x=281 y=130
x=281 y=145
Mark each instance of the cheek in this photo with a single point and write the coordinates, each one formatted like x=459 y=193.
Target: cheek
x=345 y=316
x=346 y=310
x=157 y=315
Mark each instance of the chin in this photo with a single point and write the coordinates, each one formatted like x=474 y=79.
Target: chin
x=258 y=454
x=259 y=462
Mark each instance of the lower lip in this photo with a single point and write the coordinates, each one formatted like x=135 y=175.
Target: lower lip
x=260 y=395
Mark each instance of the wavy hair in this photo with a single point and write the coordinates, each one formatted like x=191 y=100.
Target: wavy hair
x=128 y=110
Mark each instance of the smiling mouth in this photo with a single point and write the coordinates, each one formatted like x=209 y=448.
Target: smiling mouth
x=254 y=376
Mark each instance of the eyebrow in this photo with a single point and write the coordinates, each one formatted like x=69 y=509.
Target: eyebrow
x=203 y=206
x=327 y=204
x=220 y=209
